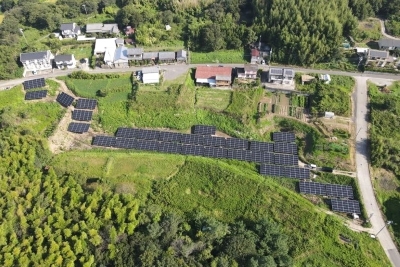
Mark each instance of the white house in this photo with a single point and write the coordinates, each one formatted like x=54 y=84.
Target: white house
x=70 y=30
x=151 y=75
x=65 y=61
x=37 y=60
x=121 y=57
x=281 y=76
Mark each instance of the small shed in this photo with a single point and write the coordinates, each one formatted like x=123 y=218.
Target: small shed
x=326 y=78
x=306 y=79
x=181 y=56
x=329 y=115
x=151 y=75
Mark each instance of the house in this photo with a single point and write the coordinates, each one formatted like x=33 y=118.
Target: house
x=181 y=56
x=65 y=61
x=377 y=55
x=326 y=78
x=111 y=28
x=151 y=75
x=248 y=72
x=135 y=53
x=128 y=30
x=255 y=56
x=119 y=42
x=389 y=44
x=70 y=30
x=121 y=57
x=213 y=76
x=105 y=47
x=259 y=52
x=150 y=56
x=37 y=60
x=281 y=76
x=166 y=57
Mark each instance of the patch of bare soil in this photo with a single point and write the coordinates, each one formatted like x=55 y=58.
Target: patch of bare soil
x=221 y=134
x=386 y=180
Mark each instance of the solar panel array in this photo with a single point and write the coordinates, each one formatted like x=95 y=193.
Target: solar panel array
x=65 y=100
x=36 y=83
x=332 y=190
x=35 y=95
x=106 y=141
x=347 y=206
x=85 y=103
x=76 y=127
x=285 y=159
x=285 y=148
x=82 y=115
x=266 y=146
x=204 y=129
x=287 y=137
x=284 y=171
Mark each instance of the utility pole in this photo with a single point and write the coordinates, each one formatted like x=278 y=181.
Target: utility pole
x=387 y=224
x=22 y=32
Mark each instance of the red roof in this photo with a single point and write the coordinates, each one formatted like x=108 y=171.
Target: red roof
x=209 y=72
x=255 y=52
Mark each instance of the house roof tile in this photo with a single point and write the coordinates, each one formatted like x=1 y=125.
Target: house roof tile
x=389 y=42
x=34 y=55
x=378 y=53
x=209 y=72
x=60 y=58
x=166 y=55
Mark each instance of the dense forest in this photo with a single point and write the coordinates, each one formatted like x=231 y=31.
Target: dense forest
x=299 y=31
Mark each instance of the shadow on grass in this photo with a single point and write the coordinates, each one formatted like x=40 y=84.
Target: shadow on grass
x=392 y=206
x=373 y=45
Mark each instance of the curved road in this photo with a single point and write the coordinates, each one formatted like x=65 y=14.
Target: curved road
x=383 y=31
x=362 y=152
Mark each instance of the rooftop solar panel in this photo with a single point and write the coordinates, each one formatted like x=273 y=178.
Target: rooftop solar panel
x=64 y=99
x=204 y=129
x=105 y=141
x=35 y=95
x=276 y=71
x=82 y=115
x=236 y=143
x=85 y=103
x=266 y=146
x=285 y=148
x=76 y=127
x=286 y=159
x=347 y=206
x=214 y=141
x=287 y=137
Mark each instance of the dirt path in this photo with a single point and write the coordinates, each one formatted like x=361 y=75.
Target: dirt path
x=62 y=140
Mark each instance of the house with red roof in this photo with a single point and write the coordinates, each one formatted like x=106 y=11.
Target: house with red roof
x=214 y=76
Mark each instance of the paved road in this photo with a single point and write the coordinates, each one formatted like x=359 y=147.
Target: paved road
x=362 y=156
x=363 y=175
x=383 y=31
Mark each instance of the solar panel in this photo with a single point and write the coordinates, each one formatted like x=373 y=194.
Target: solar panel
x=257 y=145
x=276 y=71
x=244 y=155
x=85 y=103
x=267 y=157
x=147 y=134
x=36 y=83
x=82 y=115
x=215 y=152
x=347 y=206
x=214 y=141
x=188 y=149
x=191 y=139
x=64 y=99
x=288 y=137
x=169 y=137
x=312 y=188
x=285 y=148
x=106 y=141
x=237 y=143
x=204 y=129
x=36 y=95
x=256 y=156
x=341 y=191
x=286 y=159
x=126 y=132
x=271 y=170
x=126 y=143
x=283 y=171
x=76 y=127
x=150 y=145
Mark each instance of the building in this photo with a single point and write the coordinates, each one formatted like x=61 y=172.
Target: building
x=111 y=28
x=181 y=56
x=260 y=52
x=213 y=76
x=121 y=57
x=103 y=45
x=281 y=76
x=166 y=57
x=389 y=44
x=151 y=75
x=70 y=30
x=150 y=56
x=326 y=78
x=374 y=55
x=65 y=61
x=135 y=53
x=248 y=72
x=119 y=42
x=37 y=60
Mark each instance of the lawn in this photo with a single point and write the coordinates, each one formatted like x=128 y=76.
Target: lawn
x=79 y=50
x=223 y=56
x=212 y=99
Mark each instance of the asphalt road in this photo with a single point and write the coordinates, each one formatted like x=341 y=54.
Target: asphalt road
x=362 y=155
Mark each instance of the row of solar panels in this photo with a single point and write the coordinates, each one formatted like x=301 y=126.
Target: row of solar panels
x=284 y=171
x=206 y=140
x=35 y=95
x=32 y=84
x=346 y=206
x=331 y=190
x=198 y=150
x=82 y=103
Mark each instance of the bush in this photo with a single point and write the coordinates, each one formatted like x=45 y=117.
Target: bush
x=83 y=75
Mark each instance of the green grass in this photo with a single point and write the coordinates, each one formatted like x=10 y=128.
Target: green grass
x=12 y=97
x=213 y=99
x=52 y=87
x=367 y=30
x=79 y=50
x=223 y=56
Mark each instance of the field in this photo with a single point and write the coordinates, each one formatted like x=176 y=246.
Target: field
x=79 y=50
x=223 y=56
x=212 y=99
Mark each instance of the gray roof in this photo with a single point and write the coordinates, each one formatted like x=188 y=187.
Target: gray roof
x=150 y=70
x=166 y=55
x=223 y=78
x=34 y=55
x=94 y=27
x=389 y=42
x=67 y=26
x=135 y=51
x=288 y=72
x=77 y=29
x=59 y=58
x=276 y=71
x=181 y=54
x=111 y=28
x=378 y=53
x=150 y=55
x=119 y=41
x=251 y=67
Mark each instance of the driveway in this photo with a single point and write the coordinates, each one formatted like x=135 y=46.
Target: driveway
x=363 y=175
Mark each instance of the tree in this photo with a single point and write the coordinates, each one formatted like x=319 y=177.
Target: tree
x=212 y=38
